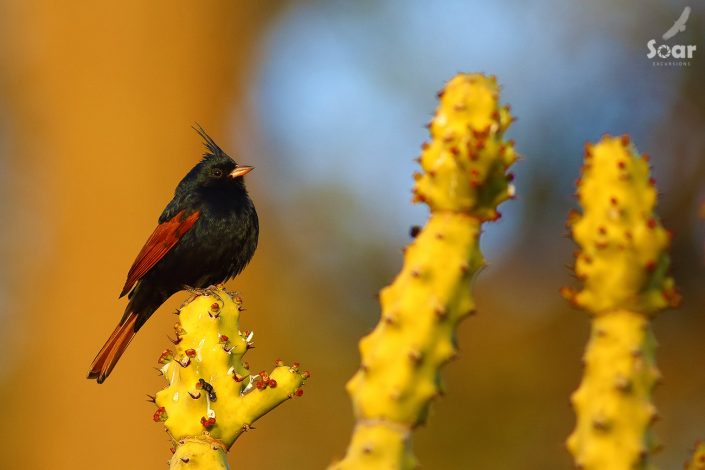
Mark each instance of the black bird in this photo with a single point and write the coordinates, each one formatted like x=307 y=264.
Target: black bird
x=206 y=235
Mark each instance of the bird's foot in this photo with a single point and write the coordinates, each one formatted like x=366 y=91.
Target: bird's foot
x=213 y=290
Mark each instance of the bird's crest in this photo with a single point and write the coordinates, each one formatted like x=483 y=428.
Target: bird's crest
x=212 y=148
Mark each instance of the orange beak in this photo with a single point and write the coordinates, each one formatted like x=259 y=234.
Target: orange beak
x=241 y=170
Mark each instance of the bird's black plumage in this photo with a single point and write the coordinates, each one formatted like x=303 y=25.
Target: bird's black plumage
x=206 y=235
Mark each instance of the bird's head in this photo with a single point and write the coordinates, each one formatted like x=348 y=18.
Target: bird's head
x=217 y=171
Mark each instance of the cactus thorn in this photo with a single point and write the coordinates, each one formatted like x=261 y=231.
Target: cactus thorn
x=600 y=424
x=175 y=341
x=440 y=312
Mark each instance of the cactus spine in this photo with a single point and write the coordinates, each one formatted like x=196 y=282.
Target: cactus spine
x=211 y=398
x=623 y=262
x=464 y=179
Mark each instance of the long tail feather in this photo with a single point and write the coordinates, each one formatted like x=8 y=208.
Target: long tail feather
x=112 y=350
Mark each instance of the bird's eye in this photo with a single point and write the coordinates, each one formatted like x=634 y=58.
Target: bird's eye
x=216 y=173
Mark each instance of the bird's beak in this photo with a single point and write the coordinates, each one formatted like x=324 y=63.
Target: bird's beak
x=241 y=170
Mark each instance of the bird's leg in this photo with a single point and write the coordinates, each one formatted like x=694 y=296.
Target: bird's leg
x=194 y=292
x=215 y=289
x=211 y=290
x=221 y=287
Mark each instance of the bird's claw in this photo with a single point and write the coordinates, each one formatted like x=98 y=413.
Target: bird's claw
x=210 y=291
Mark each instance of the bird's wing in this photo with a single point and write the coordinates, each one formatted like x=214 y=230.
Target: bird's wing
x=679 y=25
x=163 y=239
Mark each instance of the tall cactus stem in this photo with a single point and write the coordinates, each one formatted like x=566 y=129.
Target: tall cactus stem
x=463 y=180
x=623 y=262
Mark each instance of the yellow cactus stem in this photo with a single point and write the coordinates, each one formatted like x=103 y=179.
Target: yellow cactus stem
x=212 y=398
x=623 y=262
x=464 y=179
x=697 y=460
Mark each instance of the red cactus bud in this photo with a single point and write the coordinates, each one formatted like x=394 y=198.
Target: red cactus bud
x=159 y=415
x=215 y=307
x=166 y=356
x=306 y=374
x=272 y=383
x=223 y=338
x=299 y=392
x=278 y=363
x=568 y=293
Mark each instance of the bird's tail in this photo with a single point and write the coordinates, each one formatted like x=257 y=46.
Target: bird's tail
x=110 y=353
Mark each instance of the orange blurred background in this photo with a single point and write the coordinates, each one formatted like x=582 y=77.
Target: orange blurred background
x=327 y=100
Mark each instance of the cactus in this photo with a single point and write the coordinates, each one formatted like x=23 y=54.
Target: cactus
x=623 y=262
x=212 y=398
x=464 y=179
x=697 y=460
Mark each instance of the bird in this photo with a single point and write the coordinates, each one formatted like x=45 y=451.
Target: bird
x=679 y=25
x=205 y=236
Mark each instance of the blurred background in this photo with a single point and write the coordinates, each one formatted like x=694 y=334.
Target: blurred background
x=328 y=100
